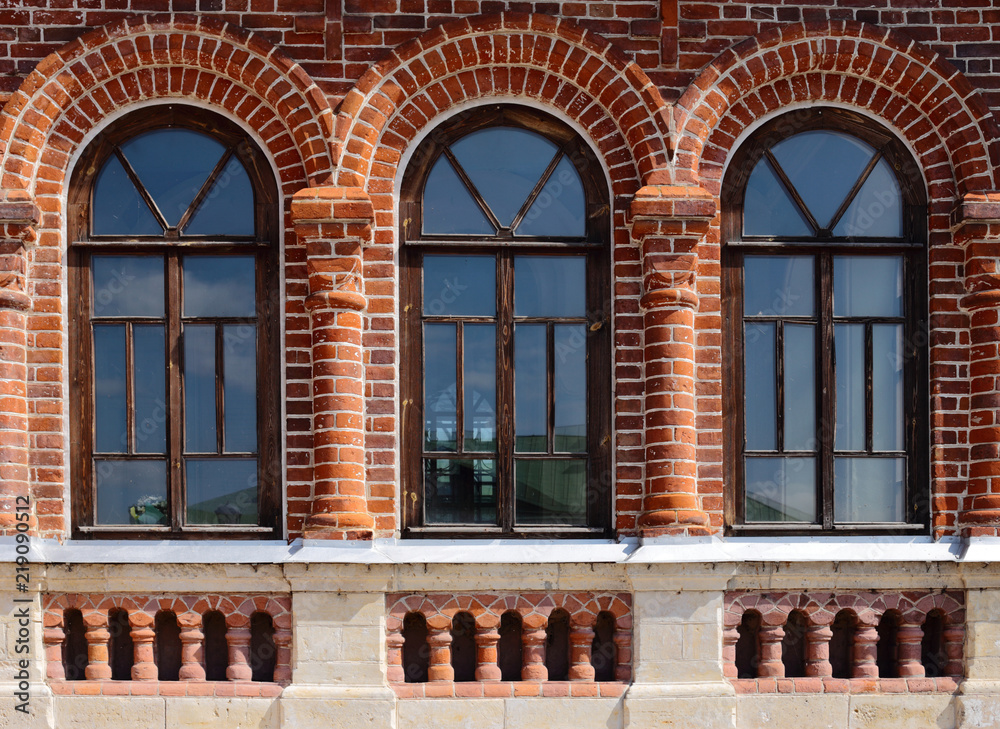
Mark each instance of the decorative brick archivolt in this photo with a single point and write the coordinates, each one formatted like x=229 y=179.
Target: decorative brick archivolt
x=334 y=223
x=916 y=91
x=533 y=610
x=189 y=610
x=866 y=609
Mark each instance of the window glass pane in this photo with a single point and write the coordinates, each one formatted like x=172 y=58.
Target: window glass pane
x=869 y=489
x=480 y=382
x=887 y=387
x=550 y=286
x=867 y=286
x=149 y=360
x=128 y=285
x=199 y=388
x=505 y=164
x=219 y=286
x=228 y=207
x=560 y=208
x=570 y=388
x=877 y=209
x=551 y=491
x=759 y=388
x=800 y=387
x=530 y=389
x=448 y=206
x=440 y=388
x=110 y=377
x=849 y=356
x=221 y=491
x=118 y=207
x=780 y=489
x=460 y=491
x=239 y=370
x=131 y=492
x=460 y=285
x=823 y=167
x=768 y=209
x=778 y=286
x=173 y=164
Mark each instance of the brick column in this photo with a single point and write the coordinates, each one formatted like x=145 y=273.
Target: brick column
x=533 y=637
x=623 y=648
x=954 y=642
x=668 y=223
x=487 y=637
x=53 y=636
x=730 y=637
x=439 y=640
x=818 y=650
x=238 y=640
x=865 y=650
x=143 y=667
x=908 y=639
x=96 y=623
x=394 y=672
x=770 y=652
x=192 y=647
x=334 y=223
x=977 y=222
x=18 y=216
x=283 y=649
x=581 y=645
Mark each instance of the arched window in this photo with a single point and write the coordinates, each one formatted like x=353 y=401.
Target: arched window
x=824 y=279
x=506 y=334
x=173 y=282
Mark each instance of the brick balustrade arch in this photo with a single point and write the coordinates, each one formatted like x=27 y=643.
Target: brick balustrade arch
x=73 y=92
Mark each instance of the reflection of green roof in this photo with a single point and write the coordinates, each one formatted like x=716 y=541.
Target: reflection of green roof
x=761 y=509
x=236 y=507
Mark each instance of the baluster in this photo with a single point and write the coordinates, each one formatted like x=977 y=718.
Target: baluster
x=908 y=639
x=192 y=647
x=283 y=648
x=394 y=672
x=52 y=638
x=439 y=640
x=730 y=636
x=818 y=651
x=487 y=637
x=865 y=651
x=96 y=623
x=954 y=640
x=623 y=645
x=581 y=645
x=143 y=667
x=533 y=637
x=238 y=640
x=770 y=652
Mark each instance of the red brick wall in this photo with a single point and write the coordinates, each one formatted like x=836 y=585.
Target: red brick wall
x=659 y=48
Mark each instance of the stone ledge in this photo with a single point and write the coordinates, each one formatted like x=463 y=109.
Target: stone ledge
x=815 y=685
x=508 y=689
x=166 y=688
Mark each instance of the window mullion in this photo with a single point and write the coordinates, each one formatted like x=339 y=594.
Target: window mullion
x=550 y=387
x=176 y=411
x=828 y=391
x=129 y=389
x=779 y=384
x=460 y=386
x=869 y=390
x=220 y=388
x=505 y=388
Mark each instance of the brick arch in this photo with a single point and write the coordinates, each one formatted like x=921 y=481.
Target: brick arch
x=913 y=89
x=183 y=57
x=502 y=56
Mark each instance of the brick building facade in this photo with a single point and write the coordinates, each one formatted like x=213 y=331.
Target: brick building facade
x=757 y=245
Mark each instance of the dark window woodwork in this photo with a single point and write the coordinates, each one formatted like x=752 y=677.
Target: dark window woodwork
x=825 y=298
x=74 y=648
x=506 y=330
x=463 y=647
x=216 y=647
x=510 y=646
x=263 y=654
x=174 y=285
x=121 y=649
x=167 y=646
x=416 y=651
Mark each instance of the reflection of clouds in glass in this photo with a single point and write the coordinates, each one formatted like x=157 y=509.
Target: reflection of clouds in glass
x=127 y=285
x=219 y=286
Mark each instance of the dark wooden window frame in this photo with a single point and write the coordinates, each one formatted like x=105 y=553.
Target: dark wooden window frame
x=262 y=245
x=822 y=247
x=595 y=245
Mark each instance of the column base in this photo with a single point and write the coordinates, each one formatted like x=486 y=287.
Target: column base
x=335 y=524
x=675 y=522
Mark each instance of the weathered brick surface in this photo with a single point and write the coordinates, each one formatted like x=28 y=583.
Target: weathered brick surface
x=339 y=92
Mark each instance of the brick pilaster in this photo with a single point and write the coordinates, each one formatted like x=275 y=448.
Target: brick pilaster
x=668 y=223
x=334 y=223
x=18 y=218
x=977 y=221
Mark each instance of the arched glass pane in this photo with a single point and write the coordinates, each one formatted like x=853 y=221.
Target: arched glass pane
x=173 y=164
x=118 y=207
x=823 y=167
x=449 y=206
x=768 y=209
x=505 y=164
x=228 y=207
x=560 y=208
x=877 y=209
